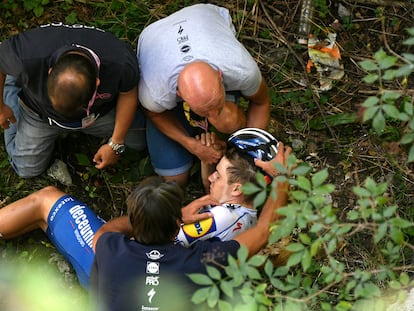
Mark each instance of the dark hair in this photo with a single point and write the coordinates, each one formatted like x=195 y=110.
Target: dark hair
x=69 y=96
x=154 y=207
x=241 y=170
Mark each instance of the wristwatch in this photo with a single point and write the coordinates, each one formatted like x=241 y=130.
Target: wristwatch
x=117 y=148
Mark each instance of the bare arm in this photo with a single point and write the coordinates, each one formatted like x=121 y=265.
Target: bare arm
x=168 y=124
x=119 y=224
x=6 y=113
x=256 y=238
x=259 y=107
x=126 y=109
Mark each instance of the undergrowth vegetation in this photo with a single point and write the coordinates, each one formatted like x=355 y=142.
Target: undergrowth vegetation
x=347 y=232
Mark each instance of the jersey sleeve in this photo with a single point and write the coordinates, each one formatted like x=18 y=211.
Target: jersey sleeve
x=224 y=225
x=130 y=72
x=10 y=62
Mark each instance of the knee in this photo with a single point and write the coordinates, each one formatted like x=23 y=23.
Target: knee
x=44 y=193
x=25 y=171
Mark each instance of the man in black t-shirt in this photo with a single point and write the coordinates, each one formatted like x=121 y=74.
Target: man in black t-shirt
x=60 y=78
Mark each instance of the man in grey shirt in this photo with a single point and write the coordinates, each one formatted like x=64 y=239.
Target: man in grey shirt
x=189 y=62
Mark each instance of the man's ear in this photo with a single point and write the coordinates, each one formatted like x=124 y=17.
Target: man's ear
x=50 y=70
x=236 y=190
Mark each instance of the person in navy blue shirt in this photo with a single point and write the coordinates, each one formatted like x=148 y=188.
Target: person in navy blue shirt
x=58 y=78
x=132 y=262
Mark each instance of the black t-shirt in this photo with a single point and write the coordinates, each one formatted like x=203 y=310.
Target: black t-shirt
x=29 y=55
x=127 y=275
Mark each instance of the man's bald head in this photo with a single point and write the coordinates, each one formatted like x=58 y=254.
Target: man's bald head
x=200 y=85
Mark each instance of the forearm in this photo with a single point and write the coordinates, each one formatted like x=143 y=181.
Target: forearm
x=258 y=113
x=257 y=237
x=125 y=113
x=2 y=79
x=119 y=224
x=169 y=125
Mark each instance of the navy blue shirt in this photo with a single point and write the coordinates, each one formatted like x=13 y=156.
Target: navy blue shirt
x=29 y=55
x=127 y=275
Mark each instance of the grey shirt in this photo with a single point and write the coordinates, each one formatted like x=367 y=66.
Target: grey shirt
x=202 y=32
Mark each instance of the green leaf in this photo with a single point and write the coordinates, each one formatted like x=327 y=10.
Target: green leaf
x=396 y=235
x=390 y=96
x=343 y=229
x=401 y=222
x=227 y=288
x=343 y=306
x=361 y=192
x=407 y=138
x=213 y=297
x=304 y=183
x=269 y=268
x=409 y=108
x=370 y=113
x=294 y=259
x=380 y=55
x=253 y=273
x=299 y=195
x=305 y=238
x=391 y=111
x=250 y=188
x=387 y=62
x=260 y=198
x=368 y=65
x=200 y=295
x=389 y=211
x=409 y=41
x=224 y=306
x=315 y=247
x=242 y=254
x=379 y=123
x=319 y=177
x=306 y=260
x=302 y=169
x=282 y=271
x=408 y=56
x=389 y=74
x=257 y=260
x=324 y=189
x=200 y=279
x=213 y=273
x=82 y=159
x=381 y=231
x=405 y=70
x=371 y=101
x=411 y=155
x=294 y=247
x=370 y=78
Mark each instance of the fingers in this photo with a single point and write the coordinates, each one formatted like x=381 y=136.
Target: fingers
x=202 y=216
x=281 y=157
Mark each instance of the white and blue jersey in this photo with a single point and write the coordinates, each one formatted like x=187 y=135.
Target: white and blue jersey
x=228 y=221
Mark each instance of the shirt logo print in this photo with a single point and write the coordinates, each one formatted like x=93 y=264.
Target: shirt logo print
x=151 y=295
x=153 y=267
x=154 y=255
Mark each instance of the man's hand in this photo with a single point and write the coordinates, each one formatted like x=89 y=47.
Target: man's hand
x=105 y=156
x=6 y=116
x=190 y=212
x=281 y=157
x=210 y=148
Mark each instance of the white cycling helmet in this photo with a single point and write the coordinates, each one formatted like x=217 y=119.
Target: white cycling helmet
x=255 y=142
